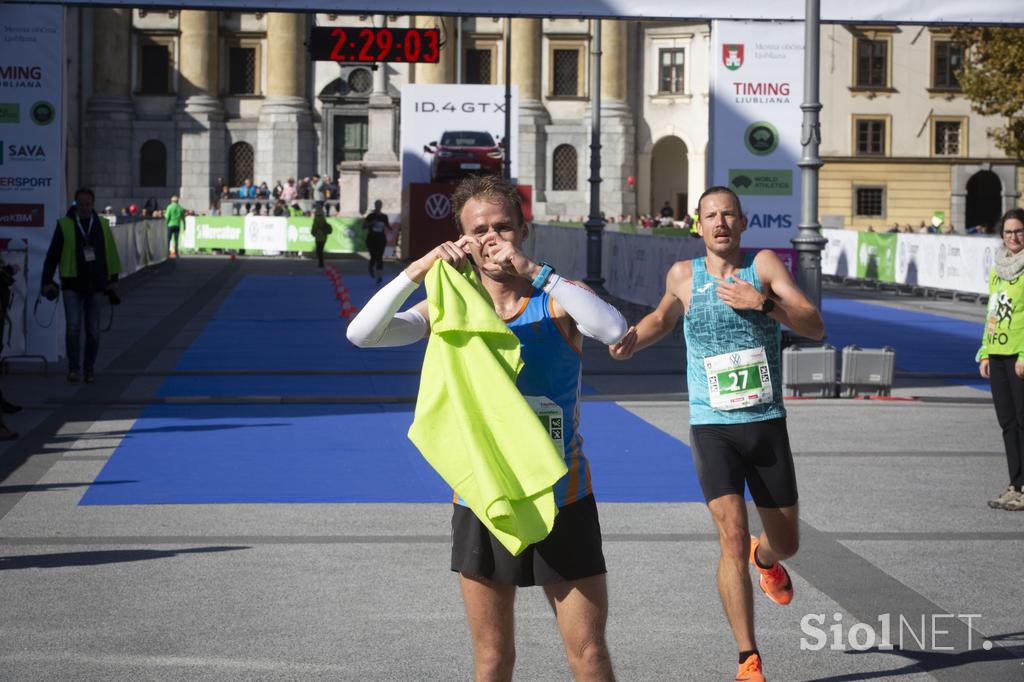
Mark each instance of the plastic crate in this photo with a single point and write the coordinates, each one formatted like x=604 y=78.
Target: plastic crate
x=809 y=371
x=867 y=370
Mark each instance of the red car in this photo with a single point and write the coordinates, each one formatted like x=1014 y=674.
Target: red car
x=464 y=152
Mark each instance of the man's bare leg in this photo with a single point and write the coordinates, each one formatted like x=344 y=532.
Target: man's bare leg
x=581 y=608
x=781 y=537
x=489 y=611
x=730 y=515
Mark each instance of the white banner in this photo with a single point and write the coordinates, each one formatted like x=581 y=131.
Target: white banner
x=757 y=86
x=635 y=266
x=449 y=130
x=265 y=233
x=874 y=11
x=945 y=261
x=32 y=193
x=839 y=257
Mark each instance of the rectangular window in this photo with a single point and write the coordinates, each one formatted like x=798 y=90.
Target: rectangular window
x=870 y=137
x=947 y=138
x=154 y=69
x=351 y=138
x=670 y=71
x=872 y=63
x=565 y=81
x=869 y=202
x=478 y=67
x=946 y=59
x=242 y=71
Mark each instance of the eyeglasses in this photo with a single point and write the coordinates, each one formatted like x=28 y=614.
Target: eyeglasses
x=1016 y=234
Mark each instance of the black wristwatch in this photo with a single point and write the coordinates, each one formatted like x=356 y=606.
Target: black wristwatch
x=767 y=306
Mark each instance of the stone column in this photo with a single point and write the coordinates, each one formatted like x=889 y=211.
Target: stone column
x=286 y=144
x=110 y=163
x=382 y=171
x=200 y=119
x=533 y=116
x=444 y=70
x=617 y=125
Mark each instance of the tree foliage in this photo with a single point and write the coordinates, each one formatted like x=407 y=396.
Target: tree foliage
x=992 y=77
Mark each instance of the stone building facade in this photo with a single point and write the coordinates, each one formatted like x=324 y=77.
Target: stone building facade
x=166 y=102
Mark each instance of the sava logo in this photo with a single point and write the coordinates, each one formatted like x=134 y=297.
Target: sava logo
x=21 y=152
x=770 y=220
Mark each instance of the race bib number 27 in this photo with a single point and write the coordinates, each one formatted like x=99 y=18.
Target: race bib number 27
x=738 y=379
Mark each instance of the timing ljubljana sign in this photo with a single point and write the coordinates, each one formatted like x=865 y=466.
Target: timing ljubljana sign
x=757 y=86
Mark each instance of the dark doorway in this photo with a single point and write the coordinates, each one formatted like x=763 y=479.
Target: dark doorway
x=984 y=199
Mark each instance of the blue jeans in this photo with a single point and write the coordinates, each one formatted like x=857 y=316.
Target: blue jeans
x=77 y=306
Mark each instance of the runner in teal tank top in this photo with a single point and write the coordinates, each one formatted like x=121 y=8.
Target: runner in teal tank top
x=712 y=330
x=733 y=304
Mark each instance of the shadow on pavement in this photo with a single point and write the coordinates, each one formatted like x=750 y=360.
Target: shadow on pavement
x=932 y=661
x=42 y=487
x=99 y=557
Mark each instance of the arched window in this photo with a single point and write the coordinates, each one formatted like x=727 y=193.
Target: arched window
x=153 y=164
x=564 y=168
x=241 y=163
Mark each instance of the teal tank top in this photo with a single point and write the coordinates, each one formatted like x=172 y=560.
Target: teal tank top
x=553 y=368
x=712 y=328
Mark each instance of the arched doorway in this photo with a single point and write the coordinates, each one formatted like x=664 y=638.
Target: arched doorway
x=984 y=199
x=669 y=176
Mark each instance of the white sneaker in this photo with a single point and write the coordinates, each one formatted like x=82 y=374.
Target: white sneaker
x=1003 y=498
x=1015 y=503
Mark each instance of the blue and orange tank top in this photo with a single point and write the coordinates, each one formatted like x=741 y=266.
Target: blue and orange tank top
x=712 y=328
x=552 y=367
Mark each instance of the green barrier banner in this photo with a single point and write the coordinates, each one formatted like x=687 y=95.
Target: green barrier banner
x=876 y=256
x=347 y=235
x=220 y=232
x=266 y=234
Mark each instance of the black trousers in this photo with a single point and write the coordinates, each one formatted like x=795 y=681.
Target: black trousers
x=375 y=244
x=173 y=235
x=320 y=252
x=1008 y=396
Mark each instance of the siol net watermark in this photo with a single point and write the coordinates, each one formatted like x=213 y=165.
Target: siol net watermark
x=925 y=632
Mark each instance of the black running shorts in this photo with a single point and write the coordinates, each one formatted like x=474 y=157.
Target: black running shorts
x=757 y=453
x=570 y=552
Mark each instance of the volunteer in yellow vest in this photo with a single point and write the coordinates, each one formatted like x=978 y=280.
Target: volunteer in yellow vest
x=84 y=248
x=1001 y=356
x=549 y=315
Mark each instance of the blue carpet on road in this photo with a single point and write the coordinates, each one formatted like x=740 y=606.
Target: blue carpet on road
x=303 y=453
x=923 y=342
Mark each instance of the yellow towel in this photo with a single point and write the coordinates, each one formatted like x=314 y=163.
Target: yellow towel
x=472 y=424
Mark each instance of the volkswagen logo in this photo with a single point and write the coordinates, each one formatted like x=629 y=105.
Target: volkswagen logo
x=438 y=206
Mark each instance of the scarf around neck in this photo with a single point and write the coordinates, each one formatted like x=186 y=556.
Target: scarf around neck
x=1009 y=265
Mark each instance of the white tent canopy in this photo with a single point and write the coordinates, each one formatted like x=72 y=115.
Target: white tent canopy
x=864 y=11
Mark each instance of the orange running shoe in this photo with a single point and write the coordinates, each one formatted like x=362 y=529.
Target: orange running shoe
x=775 y=581
x=750 y=670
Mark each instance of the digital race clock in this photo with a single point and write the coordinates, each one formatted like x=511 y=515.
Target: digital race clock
x=365 y=44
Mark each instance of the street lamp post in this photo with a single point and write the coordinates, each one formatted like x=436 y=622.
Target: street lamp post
x=594 y=224
x=809 y=242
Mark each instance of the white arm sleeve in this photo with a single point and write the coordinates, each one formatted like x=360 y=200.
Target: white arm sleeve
x=593 y=317
x=379 y=324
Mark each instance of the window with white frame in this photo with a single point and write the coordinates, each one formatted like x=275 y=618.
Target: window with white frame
x=671 y=68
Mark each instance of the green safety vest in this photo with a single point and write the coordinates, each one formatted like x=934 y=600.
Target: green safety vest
x=68 y=258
